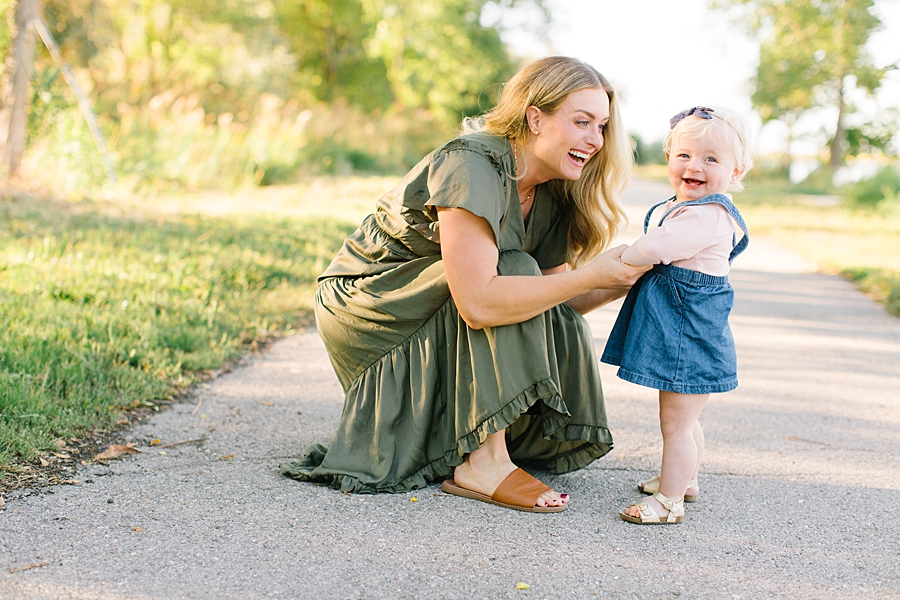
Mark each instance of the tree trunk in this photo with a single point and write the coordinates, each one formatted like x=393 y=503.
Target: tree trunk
x=836 y=154
x=23 y=56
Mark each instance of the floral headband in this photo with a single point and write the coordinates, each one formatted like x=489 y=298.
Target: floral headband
x=698 y=111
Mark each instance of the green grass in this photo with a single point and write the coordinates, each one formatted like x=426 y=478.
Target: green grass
x=859 y=243
x=111 y=306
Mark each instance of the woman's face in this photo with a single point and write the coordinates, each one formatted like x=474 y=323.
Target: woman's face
x=568 y=138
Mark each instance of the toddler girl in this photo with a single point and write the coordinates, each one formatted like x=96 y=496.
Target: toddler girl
x=672 y=332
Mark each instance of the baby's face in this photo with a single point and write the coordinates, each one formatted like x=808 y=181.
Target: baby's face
x=700 y=167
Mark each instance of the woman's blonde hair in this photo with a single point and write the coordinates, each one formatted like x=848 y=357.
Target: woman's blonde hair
x=725 y=127
x=591 y=202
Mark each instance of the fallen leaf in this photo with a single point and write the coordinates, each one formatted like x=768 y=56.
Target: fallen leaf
x=44 y=462
x=137 y=528
x=122 y=421
x=61 y=455
x=202 y=416
x=59 y=443
x=163 y=452
x=413 y=499
x=116 y=451
x=154 y=442
x=522 y=586
x=267 y=403
x=227 y=456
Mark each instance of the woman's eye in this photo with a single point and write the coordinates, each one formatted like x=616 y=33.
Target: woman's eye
x=603 y=127
x=582 y=123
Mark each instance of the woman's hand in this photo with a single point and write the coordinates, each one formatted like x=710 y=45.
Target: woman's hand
x=613 y=273
x=611 y=279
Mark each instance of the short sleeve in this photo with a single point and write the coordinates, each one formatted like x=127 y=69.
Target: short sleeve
x=461 y=178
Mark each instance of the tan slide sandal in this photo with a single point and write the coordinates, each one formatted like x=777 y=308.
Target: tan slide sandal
x=519 y=491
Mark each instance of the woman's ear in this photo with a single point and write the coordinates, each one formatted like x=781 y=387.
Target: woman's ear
x=533 y=116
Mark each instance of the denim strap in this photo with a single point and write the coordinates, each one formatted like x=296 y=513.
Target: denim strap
x=711 y=199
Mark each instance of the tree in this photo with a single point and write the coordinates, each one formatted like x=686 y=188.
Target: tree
x=409 y=54
x=23 y=60
x=812 y=54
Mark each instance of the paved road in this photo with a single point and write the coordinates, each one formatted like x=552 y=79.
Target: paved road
x=800 y=486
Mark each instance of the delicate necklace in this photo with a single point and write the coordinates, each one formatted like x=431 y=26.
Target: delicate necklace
x=527 y=198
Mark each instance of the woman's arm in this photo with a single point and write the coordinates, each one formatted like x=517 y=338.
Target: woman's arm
x=588 y=301
x=484 y=299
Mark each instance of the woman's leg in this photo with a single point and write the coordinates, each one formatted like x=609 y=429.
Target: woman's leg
x=486 y=468
x=678 y=415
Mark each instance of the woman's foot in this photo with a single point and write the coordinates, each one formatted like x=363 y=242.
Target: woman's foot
x=484 y=470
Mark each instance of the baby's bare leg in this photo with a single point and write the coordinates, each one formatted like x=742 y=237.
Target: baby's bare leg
x=682 y=445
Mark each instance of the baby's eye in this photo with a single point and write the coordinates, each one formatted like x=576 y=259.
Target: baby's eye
x=711 y=159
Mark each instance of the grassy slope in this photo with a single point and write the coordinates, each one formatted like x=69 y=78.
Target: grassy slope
x=111 y=306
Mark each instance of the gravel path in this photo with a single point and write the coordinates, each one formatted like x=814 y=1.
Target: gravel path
x=800 y=484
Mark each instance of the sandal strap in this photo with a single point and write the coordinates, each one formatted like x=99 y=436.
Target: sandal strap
x=676 y=509
x=519 y=489
x=652 y=485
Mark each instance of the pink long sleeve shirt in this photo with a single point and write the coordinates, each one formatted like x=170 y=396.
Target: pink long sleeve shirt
x=696 y=237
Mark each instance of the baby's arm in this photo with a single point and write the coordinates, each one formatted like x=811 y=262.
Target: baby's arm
x=682 y=235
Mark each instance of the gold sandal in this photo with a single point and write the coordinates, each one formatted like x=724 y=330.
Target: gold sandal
x=651 y=486
x=650 y=517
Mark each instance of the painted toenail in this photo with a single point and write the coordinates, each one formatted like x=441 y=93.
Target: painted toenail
x=563 y=495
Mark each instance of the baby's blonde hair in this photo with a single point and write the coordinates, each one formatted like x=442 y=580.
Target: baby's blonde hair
x=726 y=127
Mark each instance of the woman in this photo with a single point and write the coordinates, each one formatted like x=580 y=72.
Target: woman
x=451 y=318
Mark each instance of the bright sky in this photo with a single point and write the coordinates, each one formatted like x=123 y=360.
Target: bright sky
x=663 y=56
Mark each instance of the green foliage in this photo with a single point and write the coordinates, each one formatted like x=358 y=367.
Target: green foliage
x=7 y=23
x=814 y=54
x=882 y=284
x=224 y=93
x=874 y=138
x=877 y=191
x=648 y=153
x=103 y=311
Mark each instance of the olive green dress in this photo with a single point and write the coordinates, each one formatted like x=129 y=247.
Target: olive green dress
x=422 y=388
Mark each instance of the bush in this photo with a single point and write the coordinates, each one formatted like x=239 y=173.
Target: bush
x=882 y=187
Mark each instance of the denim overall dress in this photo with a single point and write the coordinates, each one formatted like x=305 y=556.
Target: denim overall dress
x=672 y=331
